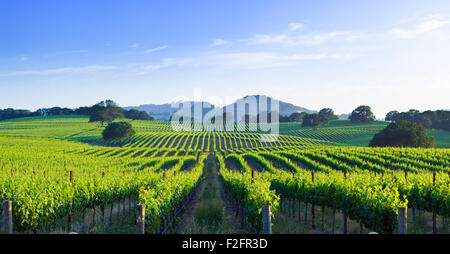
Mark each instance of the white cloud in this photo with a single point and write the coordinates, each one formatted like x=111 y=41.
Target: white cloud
x=219 y=42
x=304 y=40
x=135 y=45
x=268 y=39
x=83 y=69
x=258 y=60
x=320 y=38
x=243 y=60
x=295 y=26
x=427 y=24
x=156 y=49
x=166 y=62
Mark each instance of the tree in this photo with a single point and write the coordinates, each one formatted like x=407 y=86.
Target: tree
x=402 y=134
x=311 y=120
x=362 y=114
x=438 y=119
x=118 y=131
x=137 y=115
x=391 y=116
x=105 y=111
x=10 y=113
x=297 y=117
x=326 y=115
x=423 y=120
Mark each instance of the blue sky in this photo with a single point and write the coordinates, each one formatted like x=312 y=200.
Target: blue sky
x=339 y=54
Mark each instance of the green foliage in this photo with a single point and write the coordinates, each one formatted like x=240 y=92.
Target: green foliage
x=403 y=134
x=311 y=120
x=326 y=115
x=118 y=131
x=439 y=119
x=105 y=111
x=137 y=115
x=362 y=114
x=252 y=196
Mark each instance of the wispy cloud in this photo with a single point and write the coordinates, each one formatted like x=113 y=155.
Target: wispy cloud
x=220 y=42
x=427 y=24
x=258 y=60
x=295 y=26
x=156 y=49
x=166 y=62
x=244 y=60
x=135 y=45
x=320 y=38
x=268 y=39
x=304 y=40
x=65 y=70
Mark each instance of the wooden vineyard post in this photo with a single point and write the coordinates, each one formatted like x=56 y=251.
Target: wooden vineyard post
x=434 y=213
x=7 y=210
x=140 y=223
x=253 y=176
x=313 y=213
x=93 y=220
x=69 y=223
x=164 y=175
x=267 y=221
x=406 y=175
x=111 y=213
x=103 y=213
x=69 y=216
x=345 y=214
x=71 y=177
x=402 y=220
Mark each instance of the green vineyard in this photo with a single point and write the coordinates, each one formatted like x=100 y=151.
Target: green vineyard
x=53 y=168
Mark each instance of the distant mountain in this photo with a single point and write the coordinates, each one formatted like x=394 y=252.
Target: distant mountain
x=164 y=111
x=285 y=108
x=343 y=116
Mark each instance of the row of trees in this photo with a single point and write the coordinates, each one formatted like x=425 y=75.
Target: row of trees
x=104 y=111
x=323 y=117
x=439 y=119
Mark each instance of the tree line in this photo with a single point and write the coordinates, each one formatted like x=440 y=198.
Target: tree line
x=439 y=119
x=104 y=111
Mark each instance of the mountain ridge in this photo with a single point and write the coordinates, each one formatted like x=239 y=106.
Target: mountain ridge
x=164 y=111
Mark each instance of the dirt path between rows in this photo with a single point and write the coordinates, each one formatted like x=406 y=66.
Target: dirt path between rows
x=208 y=211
